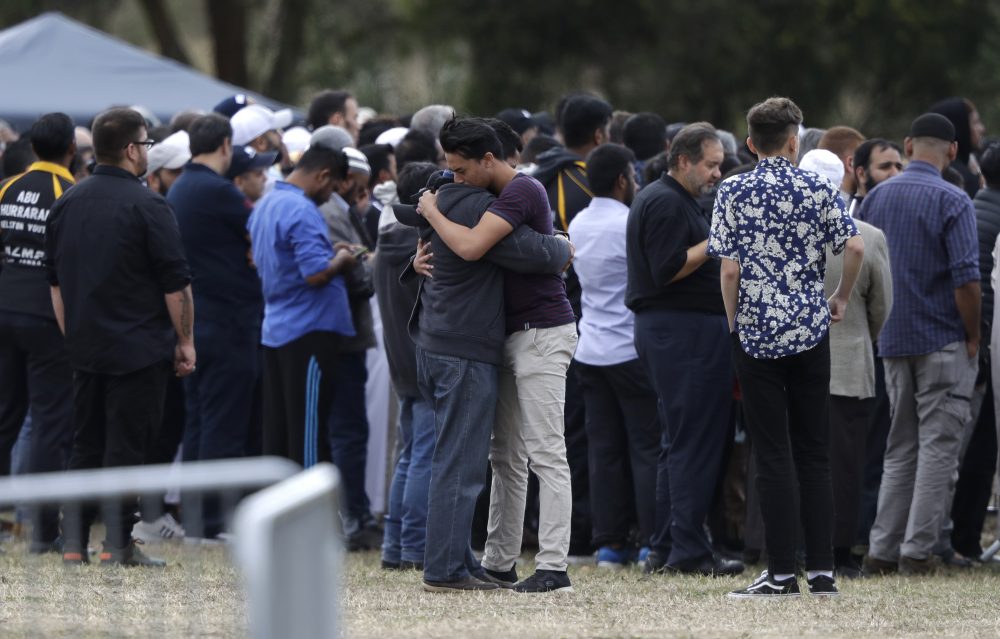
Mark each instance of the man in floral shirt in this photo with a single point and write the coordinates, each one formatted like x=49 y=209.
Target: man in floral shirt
x=771 y=228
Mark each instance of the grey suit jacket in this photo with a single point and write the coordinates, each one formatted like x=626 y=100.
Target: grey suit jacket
x=852 y=358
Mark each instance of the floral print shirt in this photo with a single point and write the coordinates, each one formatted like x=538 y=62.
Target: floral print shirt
x=776 y=222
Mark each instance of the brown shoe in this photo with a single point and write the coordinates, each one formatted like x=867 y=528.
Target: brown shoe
x=914 y=567
x=875 y=567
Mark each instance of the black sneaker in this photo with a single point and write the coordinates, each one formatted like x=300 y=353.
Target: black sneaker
x=466 y=584
x=823 y=586
x=504 y=579
x=390 y=565
x=411 y=565
x=765 y=587
x=130 y=555
x=545 y=581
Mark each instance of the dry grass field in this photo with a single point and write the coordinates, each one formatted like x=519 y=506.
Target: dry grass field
x=199 y=595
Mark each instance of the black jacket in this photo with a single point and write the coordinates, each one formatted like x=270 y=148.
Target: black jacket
x=460 y=311
x=114 y=249
x=663 y=222
x=25 y=203
x=396 y=244
x=987 y=203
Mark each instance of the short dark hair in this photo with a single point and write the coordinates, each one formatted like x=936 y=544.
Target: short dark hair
x=655 y=167
x=989 y=164
x=375 y=127
x=378 y=160
x=538 y=145
x=771 y=122
x=472 y=138
x=18 y=156
x=581 y=116
x=325 y=104
x=412 y=178
x=689 y=142
x=319 y=157
x=645 y=134
x=863 y=154
x=604 y=164
x=113 y=130
x=52 y=135
x=510 y=140
x=208 y=133
x=416 y=146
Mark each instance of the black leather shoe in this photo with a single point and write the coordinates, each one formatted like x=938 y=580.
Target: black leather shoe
x=466 y=584
x=714 y=567
x=655 y=563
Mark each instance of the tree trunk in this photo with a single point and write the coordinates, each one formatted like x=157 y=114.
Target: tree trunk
x=282 y=80
x=227 y=20
x=164 y=30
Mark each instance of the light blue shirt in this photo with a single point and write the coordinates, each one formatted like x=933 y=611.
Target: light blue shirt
x=607 y=327
x=290 y=242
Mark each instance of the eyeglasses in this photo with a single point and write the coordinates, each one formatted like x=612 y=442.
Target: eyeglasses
x=148 y=143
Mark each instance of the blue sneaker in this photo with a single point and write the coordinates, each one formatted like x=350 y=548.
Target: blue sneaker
x=615 y=558
x=643 y=554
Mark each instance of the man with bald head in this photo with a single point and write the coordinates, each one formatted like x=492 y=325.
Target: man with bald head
x=929 y=344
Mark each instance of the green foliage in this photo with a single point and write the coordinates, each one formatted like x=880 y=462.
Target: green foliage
x=873 y=64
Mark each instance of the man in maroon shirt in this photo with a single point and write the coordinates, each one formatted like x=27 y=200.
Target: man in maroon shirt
x=541 y=339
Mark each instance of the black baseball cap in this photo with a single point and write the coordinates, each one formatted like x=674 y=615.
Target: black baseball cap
x=245 y=158
x=518 y=119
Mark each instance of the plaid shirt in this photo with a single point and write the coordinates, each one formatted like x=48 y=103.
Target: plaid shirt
x=776 y=222
x=930 y=227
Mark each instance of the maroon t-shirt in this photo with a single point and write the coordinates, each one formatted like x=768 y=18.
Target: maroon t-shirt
x=531 y=301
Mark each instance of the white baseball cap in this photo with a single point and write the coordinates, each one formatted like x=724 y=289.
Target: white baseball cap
x=172 y=153
x=254 y=120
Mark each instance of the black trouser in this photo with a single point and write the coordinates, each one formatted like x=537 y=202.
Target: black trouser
x=219 y=404
x=623 y=438
x=348 y=430
x=786 y=403
x=117 y=419
x=975 y=480
x=849 y=418
x=298 y=386
x=35 y=373
x=574 y=416
x=688 y=360
x=878 y=434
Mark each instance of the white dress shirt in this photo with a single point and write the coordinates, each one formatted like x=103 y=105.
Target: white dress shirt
x=607 y=328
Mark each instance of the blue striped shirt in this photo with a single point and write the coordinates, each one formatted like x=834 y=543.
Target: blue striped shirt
x=930 y=227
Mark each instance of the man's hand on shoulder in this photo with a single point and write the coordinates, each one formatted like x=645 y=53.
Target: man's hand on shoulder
x=422 y=261
x=427 y=206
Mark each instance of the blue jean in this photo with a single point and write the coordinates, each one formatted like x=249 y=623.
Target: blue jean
x=348 y=428
x=463 y=394
x=406 y=521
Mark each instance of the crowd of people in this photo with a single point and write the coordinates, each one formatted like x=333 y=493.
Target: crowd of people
x=588 y=317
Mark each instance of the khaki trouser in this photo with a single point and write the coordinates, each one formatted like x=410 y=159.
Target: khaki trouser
x=529 y=426
x=929 y=395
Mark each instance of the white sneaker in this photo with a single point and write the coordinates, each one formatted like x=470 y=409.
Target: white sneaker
x=165 y=528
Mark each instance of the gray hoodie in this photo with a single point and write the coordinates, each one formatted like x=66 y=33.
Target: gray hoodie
x=460 y=311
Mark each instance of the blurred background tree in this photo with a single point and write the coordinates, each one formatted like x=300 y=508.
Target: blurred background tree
x=873 y=64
